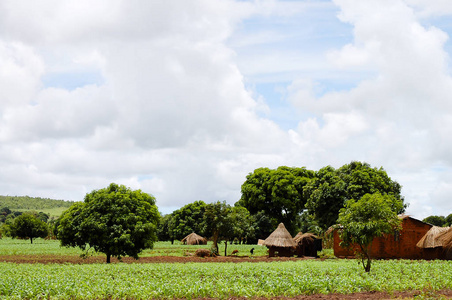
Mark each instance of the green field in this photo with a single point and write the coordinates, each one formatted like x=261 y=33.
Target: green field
x=217 y=280
x=10 y=246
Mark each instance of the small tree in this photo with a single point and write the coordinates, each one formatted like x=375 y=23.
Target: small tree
x=28 y=226
x=116 y=221
x=217 y=221
x=371 y=216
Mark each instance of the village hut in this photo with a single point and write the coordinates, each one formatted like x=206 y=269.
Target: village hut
x=307 y=244
x=280 y=242
x=431 y=244
x=446 y=239
x=194 y=239
x=430 y=239
x=400 y=244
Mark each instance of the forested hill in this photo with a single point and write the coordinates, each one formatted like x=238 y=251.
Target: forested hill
x=32 y=203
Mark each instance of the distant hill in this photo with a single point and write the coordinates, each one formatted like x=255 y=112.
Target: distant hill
x=26 y=203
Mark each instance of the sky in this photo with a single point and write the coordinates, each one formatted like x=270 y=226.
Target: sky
x=183 y=99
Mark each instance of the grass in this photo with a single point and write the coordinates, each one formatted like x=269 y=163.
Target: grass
x=10 y=246
x=52 y=212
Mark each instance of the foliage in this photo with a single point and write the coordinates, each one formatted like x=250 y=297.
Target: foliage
x=331 y=189
x=278 y=193
x=262 y=227
x=436 y=220
x=241 y=223
x=367 y=218
x=115 y=220
x=28 y=226
x=449 y=220
x=164 y=228
x=219 y=280
x=187 y=219
x=32 y=203
x=218 y=222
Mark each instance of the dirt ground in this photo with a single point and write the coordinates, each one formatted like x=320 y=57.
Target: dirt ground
x=47 y=259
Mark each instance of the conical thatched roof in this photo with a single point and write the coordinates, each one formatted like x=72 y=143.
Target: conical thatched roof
x=431 y=238
x=280 y=238
x=194 y=239
x=446 y=238
x=304 y=237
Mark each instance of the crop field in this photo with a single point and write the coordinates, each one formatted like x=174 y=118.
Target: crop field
x=218 y=280
x=263 y=278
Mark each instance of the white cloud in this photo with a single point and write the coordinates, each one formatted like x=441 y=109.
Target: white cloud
x=172 y=114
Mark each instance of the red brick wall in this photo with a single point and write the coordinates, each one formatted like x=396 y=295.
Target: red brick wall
x=402 y=245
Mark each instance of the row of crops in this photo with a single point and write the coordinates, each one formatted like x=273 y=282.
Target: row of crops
x=219 y=280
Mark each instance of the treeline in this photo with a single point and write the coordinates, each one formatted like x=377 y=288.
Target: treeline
x=304 y=200
x=32 y=203
x=440 y=221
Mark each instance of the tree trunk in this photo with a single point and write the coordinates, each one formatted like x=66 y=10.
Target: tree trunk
x=108 y=258
x=215 y=242
x=226 y=248
x=365 y=256
x=367 y=268
x=31 y=240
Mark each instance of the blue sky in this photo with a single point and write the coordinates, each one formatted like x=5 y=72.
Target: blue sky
x=184 y=99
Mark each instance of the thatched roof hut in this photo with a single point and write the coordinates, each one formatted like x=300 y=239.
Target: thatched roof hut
x=280 y=242
x=431 y=238
x=446 y=239
x=297 y=236
x=279 y=238
x=307 y=244
x=307 y=237
x=194 y=239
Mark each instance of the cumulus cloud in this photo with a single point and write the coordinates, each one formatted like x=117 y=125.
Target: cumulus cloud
x=161 y=103
x=169 y=115
x=398 y=118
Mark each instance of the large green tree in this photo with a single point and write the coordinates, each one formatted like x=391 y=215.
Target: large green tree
x=331 y=188
x=29 y=226
x=277 y=192
x=115 y=220
x=373 y=215
x=188 y=219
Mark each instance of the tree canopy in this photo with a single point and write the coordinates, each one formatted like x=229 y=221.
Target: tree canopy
x=28 y=226
x=115 y=220
x=367 y=218
x=217 y=221
x=278 y=193
x=440 y=221
x=188 y=219
x=331 y=188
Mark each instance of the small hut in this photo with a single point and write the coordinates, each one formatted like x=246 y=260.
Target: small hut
x=446 y=239
x=194 y=239
x=431 y=244
x=430 y=239
x=307 y=244
x=280 y=242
